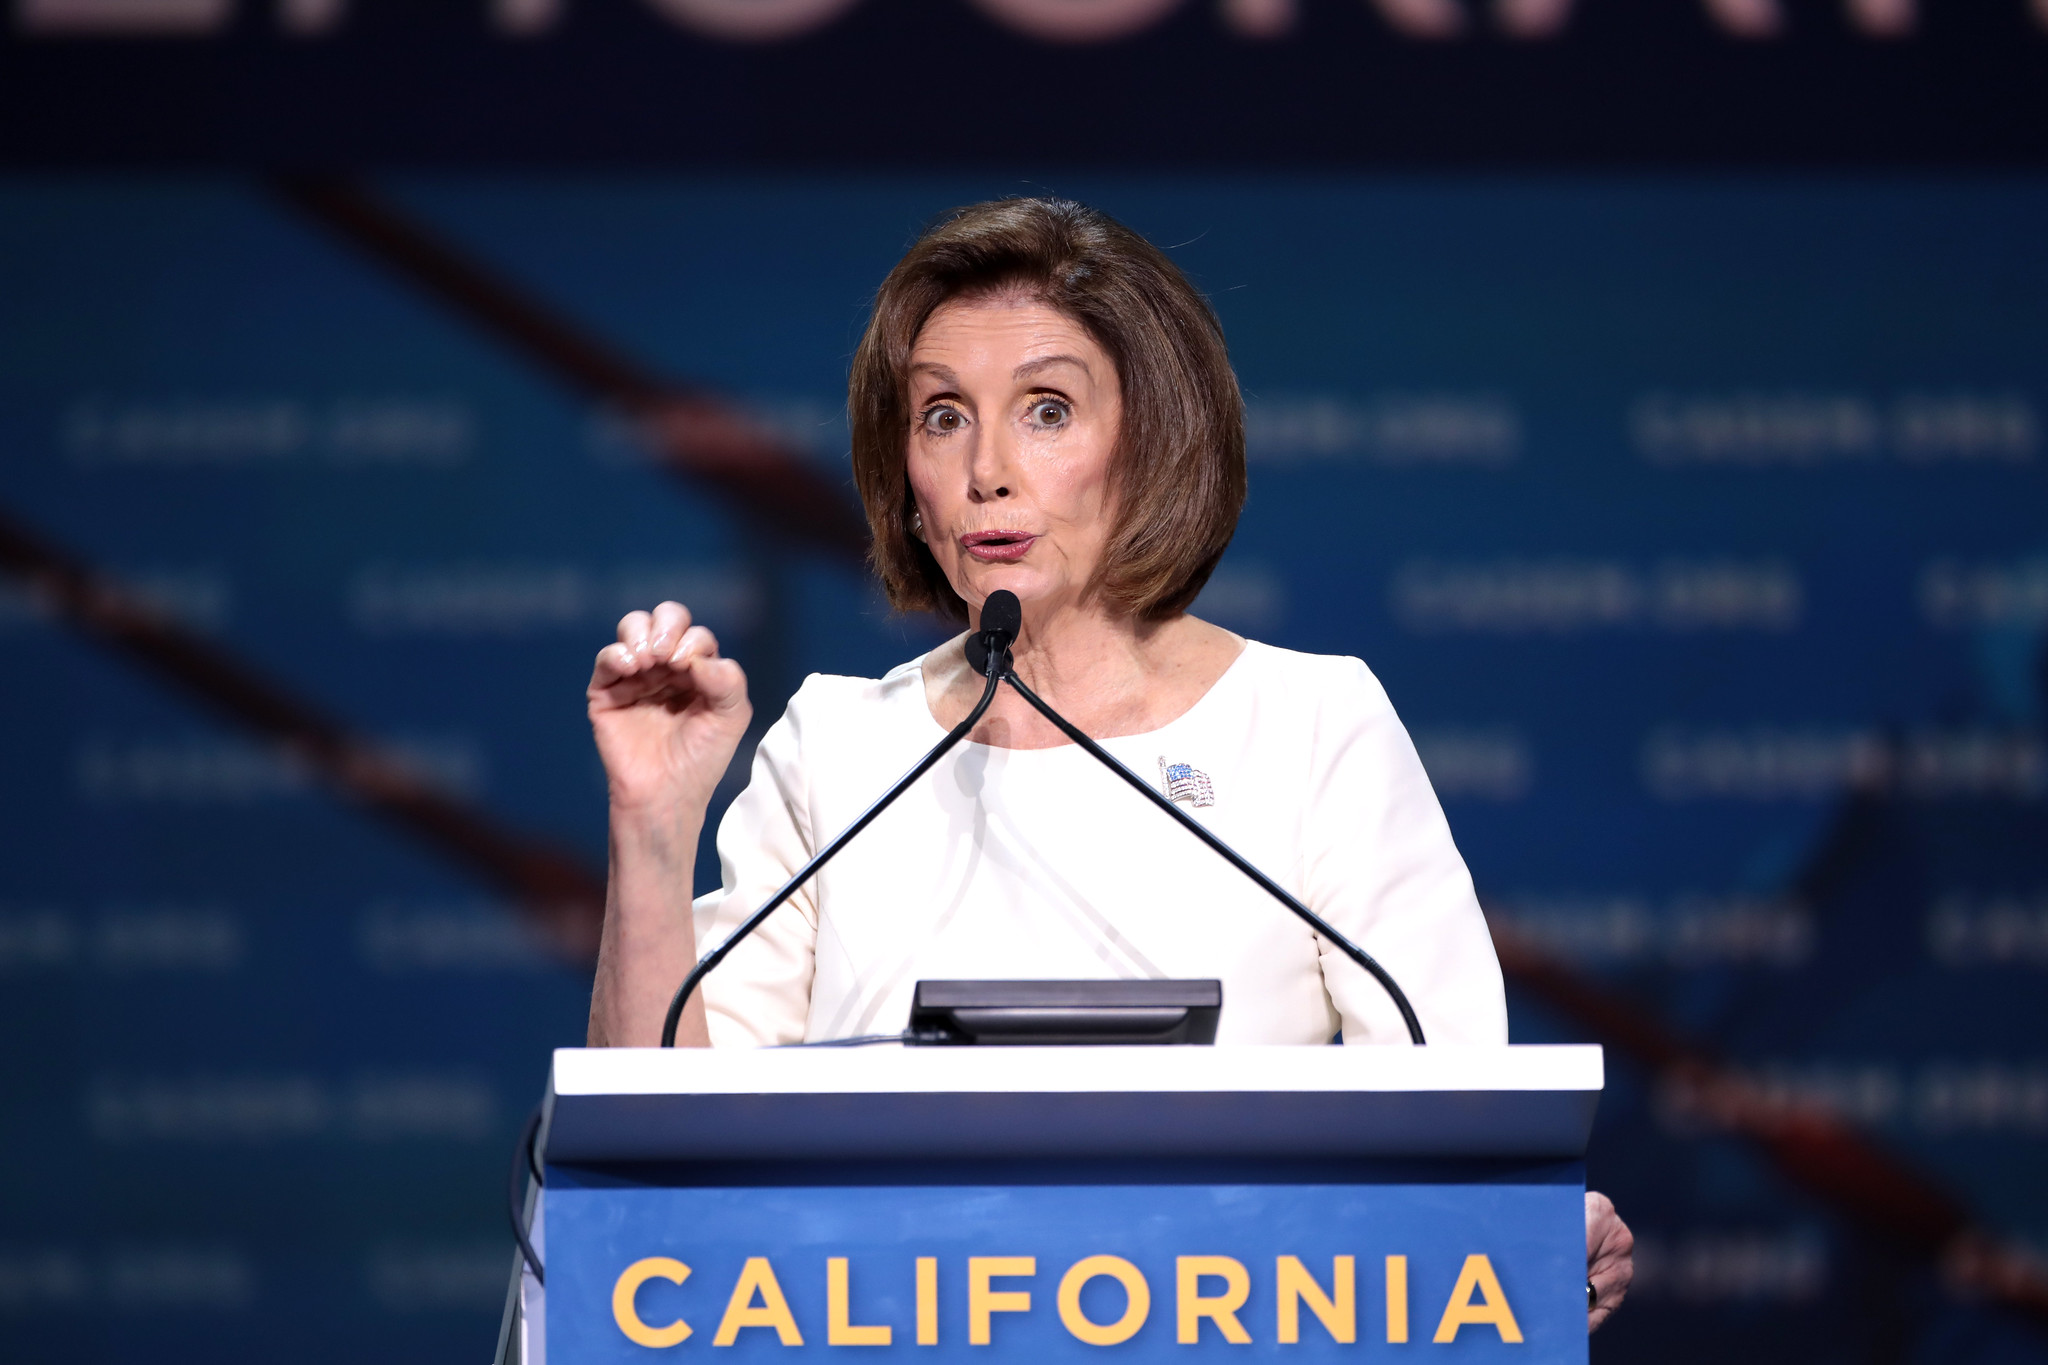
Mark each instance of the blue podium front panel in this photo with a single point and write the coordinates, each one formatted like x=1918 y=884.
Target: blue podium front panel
x=1463 y=1265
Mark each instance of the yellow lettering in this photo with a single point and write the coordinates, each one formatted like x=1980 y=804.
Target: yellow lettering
x=1397 y=1299
x=757 y=1277
x=1338 y=1314
x=927 y=1300
x=1137 y=1300
x=628 y=1317
x=983 y=1301
x=1221 y=1308
x=839 y=1328
x=1460 y=1311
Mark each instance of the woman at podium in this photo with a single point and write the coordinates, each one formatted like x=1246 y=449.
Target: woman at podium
x=1041 y=403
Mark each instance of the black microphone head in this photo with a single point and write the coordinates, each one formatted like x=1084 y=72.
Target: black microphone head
x=1002 y=614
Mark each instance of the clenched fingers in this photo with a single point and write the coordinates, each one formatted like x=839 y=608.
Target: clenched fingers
x=647 y=661
x=653 y=634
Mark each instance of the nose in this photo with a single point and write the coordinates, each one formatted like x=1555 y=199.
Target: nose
x=991 y=473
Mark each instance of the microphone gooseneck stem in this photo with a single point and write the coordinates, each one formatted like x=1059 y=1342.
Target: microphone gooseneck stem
x=998 y=661
x=1227 y=853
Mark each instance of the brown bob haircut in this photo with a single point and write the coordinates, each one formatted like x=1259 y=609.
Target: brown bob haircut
x=1177 y=478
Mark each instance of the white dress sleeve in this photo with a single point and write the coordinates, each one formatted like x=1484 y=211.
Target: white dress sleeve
x=1380 y=865
x=761 y=995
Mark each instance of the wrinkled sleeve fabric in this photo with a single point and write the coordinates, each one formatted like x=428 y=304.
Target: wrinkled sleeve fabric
x=760 y=996
x=1379 y=863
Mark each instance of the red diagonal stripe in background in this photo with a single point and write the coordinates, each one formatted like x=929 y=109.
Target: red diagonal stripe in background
x=1813 y=1148
x=557 y=892
x=691 y=432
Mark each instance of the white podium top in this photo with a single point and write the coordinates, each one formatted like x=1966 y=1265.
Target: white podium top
x=694 y=1104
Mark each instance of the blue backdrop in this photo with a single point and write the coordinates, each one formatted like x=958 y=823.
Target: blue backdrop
x=1695 y=525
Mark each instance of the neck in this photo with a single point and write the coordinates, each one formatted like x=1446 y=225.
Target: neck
x=1108 y=673
x=1077 y=652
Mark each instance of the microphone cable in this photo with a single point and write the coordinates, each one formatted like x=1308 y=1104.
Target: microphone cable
x=999 y=628
x=525 y=1159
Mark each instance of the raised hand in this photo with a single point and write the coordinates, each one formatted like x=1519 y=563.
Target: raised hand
x=668 y=713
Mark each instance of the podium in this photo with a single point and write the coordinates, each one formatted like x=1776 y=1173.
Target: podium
x=1060 y=1204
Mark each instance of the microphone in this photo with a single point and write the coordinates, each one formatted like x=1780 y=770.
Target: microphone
x=1201 y=831
x=989 y=651
x=1002 y=621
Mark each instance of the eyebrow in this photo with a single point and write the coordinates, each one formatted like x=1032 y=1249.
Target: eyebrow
x=936 y=371
x=1031 y=367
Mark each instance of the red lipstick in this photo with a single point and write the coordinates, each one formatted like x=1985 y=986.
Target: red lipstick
x=998 y=547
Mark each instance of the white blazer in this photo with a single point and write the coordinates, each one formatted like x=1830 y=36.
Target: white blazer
x=1038 y=864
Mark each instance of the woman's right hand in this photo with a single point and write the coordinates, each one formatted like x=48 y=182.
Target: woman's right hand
x=667 y=711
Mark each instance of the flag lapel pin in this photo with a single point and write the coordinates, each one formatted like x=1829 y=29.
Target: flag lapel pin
x=1185 y=782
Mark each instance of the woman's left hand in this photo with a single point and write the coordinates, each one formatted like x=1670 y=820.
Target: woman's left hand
x=1610 y=1258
